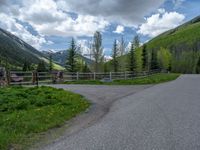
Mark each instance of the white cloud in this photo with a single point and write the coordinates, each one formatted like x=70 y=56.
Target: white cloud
x=160 y=22
x=107 y=58
x=178 y=3
x=161 y=10
x=10 y=24
x=84 y=47
x=47 y=18
x=119 y=29
x=125 y=12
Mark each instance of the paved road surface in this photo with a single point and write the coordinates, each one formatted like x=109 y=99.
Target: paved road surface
x=162 y=117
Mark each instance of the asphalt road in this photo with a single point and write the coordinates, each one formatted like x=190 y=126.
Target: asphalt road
x=162 y=117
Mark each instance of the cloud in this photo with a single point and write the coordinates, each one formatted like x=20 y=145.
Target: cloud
x=84 y=46
x=48 y=19
x=11 y=25
x=119 y=29
x=160 y=22
x=107 y=58
x=178 y=3
x=125 y=12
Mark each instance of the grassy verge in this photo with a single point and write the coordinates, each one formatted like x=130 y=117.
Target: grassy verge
x=153 y=79
x=25 y=112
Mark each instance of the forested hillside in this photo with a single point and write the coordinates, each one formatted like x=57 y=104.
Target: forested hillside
x=177 y=50
x=14 y=52
x=184 y=44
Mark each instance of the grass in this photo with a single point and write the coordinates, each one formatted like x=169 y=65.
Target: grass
x=177 y=37
x=26 y=112
x=153 y=79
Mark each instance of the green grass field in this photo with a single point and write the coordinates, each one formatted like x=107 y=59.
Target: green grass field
x=26 y=112
x=152 y=79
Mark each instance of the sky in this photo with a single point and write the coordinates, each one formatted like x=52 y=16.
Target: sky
x=50 y=24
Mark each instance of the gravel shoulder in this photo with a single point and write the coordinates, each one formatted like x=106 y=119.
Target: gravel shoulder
x=101 y=97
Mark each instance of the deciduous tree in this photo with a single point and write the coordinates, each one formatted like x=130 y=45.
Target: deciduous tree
x=97 y=51
x=115 y=53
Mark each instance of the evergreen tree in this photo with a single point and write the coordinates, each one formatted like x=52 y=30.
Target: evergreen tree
x=71 y=57
x=198 y=66
x=26 y=66
x=50 y=62
x=154 y=61
x=115 y=52
x=145 y=62
x=41 y=66
x=97 y=51
x=86 y=68
x=136 y=42
x=132 y=58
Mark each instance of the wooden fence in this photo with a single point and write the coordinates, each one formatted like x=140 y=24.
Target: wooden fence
x=35 y=78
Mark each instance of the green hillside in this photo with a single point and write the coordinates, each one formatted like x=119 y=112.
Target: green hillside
x=183 y=44
x=184 y=37
x=14 y=52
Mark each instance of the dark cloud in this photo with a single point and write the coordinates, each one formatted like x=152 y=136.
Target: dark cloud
x=124 y=11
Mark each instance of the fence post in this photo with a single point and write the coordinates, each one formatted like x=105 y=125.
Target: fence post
x=33 y=77
x=94 y=75
x=77 y=76
x=110 y=75
x=37 y=78
x=8 y=77
x=125 y=75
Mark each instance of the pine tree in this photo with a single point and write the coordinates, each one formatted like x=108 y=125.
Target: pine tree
x=198 y=66
x=154 y=61
x=97 y=51
x=50 y=62
x=26 y=66
x=86 y=68
x=41 y=66
x=144 y=57
x=71 y=57
x=136 y=42
x=132 y=58
x=115 y=52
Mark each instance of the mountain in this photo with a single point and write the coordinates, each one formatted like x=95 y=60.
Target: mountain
x=14 y=51
x=61 y=56
x=184 y=44
x=183 y=38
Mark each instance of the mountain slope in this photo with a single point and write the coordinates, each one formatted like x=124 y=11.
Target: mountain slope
x=61 y=56
x=183 y=42
x=15 y=51
x=183 y=38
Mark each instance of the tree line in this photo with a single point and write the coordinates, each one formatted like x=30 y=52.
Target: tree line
x=136 y=58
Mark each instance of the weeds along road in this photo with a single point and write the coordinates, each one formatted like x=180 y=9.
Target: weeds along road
x=161 y=117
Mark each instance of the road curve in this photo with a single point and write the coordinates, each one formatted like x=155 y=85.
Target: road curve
x=162 y=117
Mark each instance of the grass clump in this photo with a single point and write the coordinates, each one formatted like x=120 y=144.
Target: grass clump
x=152 y=79
x=24 y=112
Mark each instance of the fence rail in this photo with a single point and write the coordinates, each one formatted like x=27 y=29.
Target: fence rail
x=35 y=78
